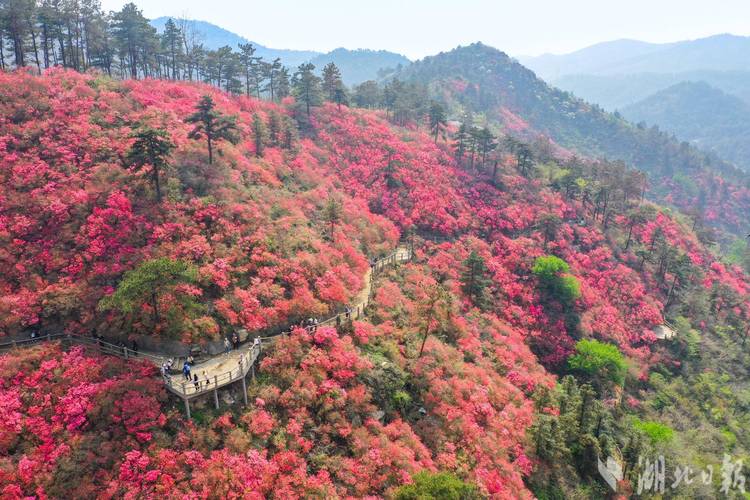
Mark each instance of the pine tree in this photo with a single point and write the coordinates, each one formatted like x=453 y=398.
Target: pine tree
x=172 y=42
x=438 y=120
x=148 y=283
x=212 y=125
x=307 y=86
x=461 y=139
x=475 y=281
x=332 y=212
x=259 y=134
x=151 y=147
x=331 y=81
x=486 y=143
x=271 y=74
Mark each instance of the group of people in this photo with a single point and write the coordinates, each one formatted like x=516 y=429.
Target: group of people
x=234 y=344
x=311 y=325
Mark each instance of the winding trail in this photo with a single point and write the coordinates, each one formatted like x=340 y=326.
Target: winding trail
x=226 y=368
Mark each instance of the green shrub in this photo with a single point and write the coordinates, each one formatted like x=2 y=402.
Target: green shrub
x=599 y=360
x=553 y=279
x=657 y=433
x=438 y=486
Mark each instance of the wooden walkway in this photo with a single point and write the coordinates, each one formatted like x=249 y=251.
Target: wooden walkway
x=227 y=368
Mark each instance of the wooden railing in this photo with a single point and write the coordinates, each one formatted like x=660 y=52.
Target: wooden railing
x=72 y=338
x=185 y=389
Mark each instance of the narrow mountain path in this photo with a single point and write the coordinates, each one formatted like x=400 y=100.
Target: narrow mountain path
x=225 y=368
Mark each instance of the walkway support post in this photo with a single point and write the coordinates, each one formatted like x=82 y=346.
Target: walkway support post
x=244 y=390
x=187 y=407
x=216 y=391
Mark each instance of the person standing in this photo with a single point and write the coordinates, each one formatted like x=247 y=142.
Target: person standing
x=235 y=340
x=196 y=383
x=227 y=346
x=186 y=370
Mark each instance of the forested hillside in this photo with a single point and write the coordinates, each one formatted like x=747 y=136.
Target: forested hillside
x=560 y=306
x=521 y=277
x=702 y=115
x=481 y=84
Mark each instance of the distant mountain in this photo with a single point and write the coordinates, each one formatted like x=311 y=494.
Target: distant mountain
x=485 y=81
x=615 y=92
x=715 y=53
x=701 y=114
x=589 y=60
x=214 y=37
x=360 y=65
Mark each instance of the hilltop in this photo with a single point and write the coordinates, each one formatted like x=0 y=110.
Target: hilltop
x=214 y=37
x=481 y=81
x=724 y=52
x=700 y=114
x=454 y=370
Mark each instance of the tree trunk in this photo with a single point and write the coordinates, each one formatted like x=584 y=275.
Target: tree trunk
x=155 y=173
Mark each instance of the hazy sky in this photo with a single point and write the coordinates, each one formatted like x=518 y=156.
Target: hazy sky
x=417 y=28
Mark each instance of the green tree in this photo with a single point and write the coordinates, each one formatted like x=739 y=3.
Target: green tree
x=249 y=65
x=340 y=97
x=436 y=486
x=331 y=81
x=306 y=86
x=368 y=95
x=332 y=214
x=461 y=139
x=172 y=42
x=259 y=134
x=553 y=279
x=599 y=361
x=150 y=283
x=212 y=125
x=485 y=143
x=133 y=34
x=438 y=120
x=151 y=147
x=474 y=280
x=271 y=73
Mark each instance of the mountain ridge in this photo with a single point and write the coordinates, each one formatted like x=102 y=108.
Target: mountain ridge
x=701 y=114
x=721 y=52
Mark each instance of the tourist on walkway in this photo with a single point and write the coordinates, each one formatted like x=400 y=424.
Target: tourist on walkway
x=227 y=346
x=196 y=383
x=348 y=312
x=235 y=340
x=190 y=360
x=256 y=342
x=208 y=382
x=186 y=370
x=164 y=369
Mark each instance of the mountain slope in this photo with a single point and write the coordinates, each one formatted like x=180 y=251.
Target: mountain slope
x=589 y=60
x=214 y=37
x=614 y=92
x=453 y=369
x=703 y=115
x=482 y=80
x=715 y=53
x=357 y=66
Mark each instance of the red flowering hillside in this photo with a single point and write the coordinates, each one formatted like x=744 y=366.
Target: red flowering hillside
x=525 y=272
x=74 y=214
